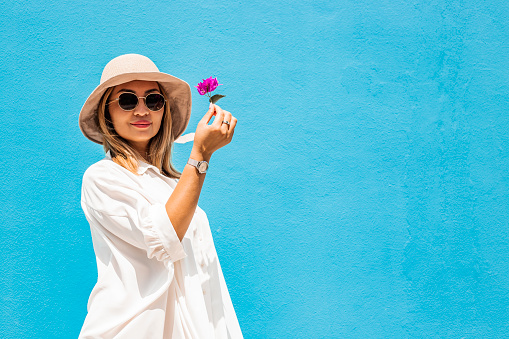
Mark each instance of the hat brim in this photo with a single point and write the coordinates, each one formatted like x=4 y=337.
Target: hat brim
x=178 y=94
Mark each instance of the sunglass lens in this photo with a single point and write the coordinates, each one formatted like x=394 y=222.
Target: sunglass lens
x=127 y=101
x=154 y=101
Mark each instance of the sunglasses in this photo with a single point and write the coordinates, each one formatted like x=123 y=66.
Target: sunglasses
x=128 y=101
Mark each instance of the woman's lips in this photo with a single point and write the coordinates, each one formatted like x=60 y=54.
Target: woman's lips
x=141 y=124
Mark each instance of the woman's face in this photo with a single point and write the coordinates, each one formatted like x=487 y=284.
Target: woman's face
x=141 y=124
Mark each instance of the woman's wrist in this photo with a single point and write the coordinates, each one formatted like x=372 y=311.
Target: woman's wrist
x=200 y=155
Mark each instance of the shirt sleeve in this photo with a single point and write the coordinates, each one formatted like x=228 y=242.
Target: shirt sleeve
x=117 y=203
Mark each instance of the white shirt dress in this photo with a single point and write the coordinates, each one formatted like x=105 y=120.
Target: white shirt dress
x=150 y=284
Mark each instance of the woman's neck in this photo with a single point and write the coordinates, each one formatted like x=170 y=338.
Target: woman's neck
x=142 y=149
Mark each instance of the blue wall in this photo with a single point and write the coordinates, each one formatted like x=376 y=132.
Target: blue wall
x=364 y=195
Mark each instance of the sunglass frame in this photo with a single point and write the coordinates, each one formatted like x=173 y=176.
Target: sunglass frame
x=137 y=103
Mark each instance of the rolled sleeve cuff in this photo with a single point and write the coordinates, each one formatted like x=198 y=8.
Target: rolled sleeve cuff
x=161 y=237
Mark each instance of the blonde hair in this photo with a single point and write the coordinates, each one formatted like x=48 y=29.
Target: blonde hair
x=160 y=146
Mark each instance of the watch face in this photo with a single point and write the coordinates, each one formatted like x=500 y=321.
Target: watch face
x=203 y=166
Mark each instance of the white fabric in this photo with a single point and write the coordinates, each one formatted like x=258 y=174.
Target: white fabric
x=150 y=284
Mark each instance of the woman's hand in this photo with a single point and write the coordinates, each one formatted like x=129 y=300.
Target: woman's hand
x=210 y=138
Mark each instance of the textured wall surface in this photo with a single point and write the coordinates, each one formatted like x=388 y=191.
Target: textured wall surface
x=365 y=193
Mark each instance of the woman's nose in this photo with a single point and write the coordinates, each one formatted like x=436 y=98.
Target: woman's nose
x=141 y=109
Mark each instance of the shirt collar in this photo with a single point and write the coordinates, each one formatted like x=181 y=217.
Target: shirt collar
x=142 y=166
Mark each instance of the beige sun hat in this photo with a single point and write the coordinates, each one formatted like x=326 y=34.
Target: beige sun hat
x=129 y=67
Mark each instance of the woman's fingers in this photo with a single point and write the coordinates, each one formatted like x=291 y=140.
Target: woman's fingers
x=210 y=113
x=226 y=126
x=233 y=123
x=219 y=117
x=216 y=135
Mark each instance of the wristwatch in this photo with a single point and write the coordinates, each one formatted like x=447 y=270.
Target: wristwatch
x=201 y=166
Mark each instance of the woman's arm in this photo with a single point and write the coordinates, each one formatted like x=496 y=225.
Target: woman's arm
x=208 y=138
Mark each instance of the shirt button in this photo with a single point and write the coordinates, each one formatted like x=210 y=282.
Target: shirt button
x=204 y=292
x=202 y=264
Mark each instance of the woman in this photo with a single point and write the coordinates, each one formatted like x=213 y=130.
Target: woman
x=158 y=271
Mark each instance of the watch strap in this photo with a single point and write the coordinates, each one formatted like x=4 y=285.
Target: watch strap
x=193 y=162
x=197 y=164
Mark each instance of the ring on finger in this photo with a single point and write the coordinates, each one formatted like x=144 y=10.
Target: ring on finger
x=226 y=122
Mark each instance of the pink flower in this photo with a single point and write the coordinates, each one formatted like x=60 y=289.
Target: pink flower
x=207 y=86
